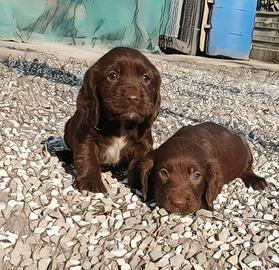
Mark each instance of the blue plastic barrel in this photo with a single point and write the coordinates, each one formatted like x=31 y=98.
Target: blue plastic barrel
x=232 y=23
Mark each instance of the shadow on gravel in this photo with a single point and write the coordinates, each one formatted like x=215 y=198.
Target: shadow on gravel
x=56 y=147
x=43 y=70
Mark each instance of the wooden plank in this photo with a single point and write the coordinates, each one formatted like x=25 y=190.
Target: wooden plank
x=173 y=43
x=266 y=29
x=204 y=25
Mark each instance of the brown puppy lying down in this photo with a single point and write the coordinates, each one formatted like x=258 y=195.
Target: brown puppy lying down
x=188 y=171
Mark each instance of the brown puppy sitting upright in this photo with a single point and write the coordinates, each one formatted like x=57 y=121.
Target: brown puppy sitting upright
x=189 y=170
x=116 y=106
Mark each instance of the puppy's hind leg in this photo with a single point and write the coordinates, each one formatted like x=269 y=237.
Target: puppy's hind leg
x=250 y=179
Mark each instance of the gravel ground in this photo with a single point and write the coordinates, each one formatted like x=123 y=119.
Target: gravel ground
x=46 y=224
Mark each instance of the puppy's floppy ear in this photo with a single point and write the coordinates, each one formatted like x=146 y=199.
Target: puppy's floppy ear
x=144 y=169
x=87 y=100
x=214 y=182
x=157 y=97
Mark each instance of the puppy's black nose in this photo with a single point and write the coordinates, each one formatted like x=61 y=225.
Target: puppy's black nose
x=132 y=99
x=178 y=202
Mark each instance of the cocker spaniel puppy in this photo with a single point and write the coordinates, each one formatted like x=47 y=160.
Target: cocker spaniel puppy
x=188 y=171
x=116 y=106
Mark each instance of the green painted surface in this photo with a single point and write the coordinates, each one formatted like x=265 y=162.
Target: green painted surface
x=135 y=23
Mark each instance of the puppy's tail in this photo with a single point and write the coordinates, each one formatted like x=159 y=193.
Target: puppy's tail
x=254 y=181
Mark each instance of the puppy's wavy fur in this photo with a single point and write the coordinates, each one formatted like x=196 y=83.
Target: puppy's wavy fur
x=116 y=106
x=188 y=171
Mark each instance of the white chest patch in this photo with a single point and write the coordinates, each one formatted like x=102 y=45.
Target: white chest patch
x=112 y=153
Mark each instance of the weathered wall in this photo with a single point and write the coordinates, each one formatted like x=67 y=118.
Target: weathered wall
x=135 y=23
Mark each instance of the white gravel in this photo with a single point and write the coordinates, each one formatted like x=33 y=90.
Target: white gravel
x=46 y=224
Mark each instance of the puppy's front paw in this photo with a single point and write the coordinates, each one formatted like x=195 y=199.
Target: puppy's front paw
x=90 y=183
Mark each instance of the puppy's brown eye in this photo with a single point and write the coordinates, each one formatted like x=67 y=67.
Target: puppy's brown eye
x=164 y=174
x=195 y=176
x=113 y=76
x=146 y=78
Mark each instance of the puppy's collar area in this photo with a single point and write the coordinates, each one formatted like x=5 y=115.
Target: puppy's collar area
x=117 y=128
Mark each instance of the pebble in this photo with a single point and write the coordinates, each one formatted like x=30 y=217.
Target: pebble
x=156 y=255
x=135 y=260
x=7 y=239
x=162 y=212
x=178 y=249
x=177 y=260
x=33 y=216
x=188 y=234
x=187 y=221
x=224 y=235
x=119 y=252
x=164 y=261
x=164 y=219
x=3 y=173
x=268 y=217
x=194 y=248
x=198 y=267
x=44 y=263
x=259 y=248
x=76 y=267
x=201 y=258
x=140 y=252
x=251 y=201
x=233 y=260
x=275 y=259
x=131 y=206
x=224 y=247
x=151 y=266
x=255 y=263
x=252 y=261
x=217 y=255
x=204 y=213
x=118 y=224
x=275 y=234
x=135 y=240
x=210 y=239
x=7 y=150
x=146 y=242
x=26 y=262
x=126 y=214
